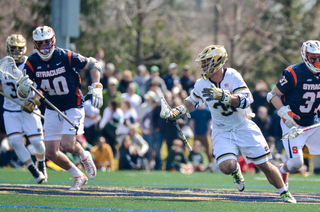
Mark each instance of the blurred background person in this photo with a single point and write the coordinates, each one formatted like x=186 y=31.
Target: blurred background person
x=171 y=79
x=110 y=93
x=141 y=79
x=91 y=119
x=262 y=119
x=108 y=72
x=103 y=155
x=125 y=81
x=156 y=79
x=129 y=158
x=259 y=95
x=187 y=79
x=112 y=118
x=197 y=157
x=135 y=99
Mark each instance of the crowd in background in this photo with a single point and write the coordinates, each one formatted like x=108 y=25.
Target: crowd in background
x=128 y=133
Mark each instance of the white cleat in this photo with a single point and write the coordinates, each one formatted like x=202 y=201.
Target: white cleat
x=89 y=167
x=41 y=179
x=78 y=183
x=41 y=165
x=238 y=179
x=287 y=197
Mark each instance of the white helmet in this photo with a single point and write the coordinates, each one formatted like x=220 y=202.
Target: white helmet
x=45 y=34
x=313 y=47
x=211 y=59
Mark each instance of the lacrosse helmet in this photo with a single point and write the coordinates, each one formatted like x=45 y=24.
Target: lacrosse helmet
x=44 y=36
x=16 y=41
x=211 y=59
x=310 y=52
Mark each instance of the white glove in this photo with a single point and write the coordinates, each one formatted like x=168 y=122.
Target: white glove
x=24 y=85
x=96 y=91
x=214 y=93
x=178 y=112
x=288 y=116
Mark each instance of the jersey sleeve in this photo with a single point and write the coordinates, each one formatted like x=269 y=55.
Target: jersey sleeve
x=77 y=60
x=195 y=95
x=29 y=70
x=287 y=82
x=240 y=87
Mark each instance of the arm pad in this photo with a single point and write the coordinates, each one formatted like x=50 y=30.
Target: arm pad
x=94 y=64
x=243 y=101
x=270 y=95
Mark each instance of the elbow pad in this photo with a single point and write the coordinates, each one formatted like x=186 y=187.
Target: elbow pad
x=270 y=95
x=94 y=64
x=243 y=101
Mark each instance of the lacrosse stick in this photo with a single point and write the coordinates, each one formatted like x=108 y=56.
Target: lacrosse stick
x=165 y=113
x=8 y=67
x=295 y=132
x=20 y=104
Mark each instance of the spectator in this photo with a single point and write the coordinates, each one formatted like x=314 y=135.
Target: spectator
x=141 y=79
x=112 y=118
x=118 y=75
x=154 y=86
x=200 y=125
x=197 y=157
x=126 y=80
x=263 y=120
x=135 y=99
x=146 y=107
x=171 y=79
x=259 y=95
x=156 y=79
x=107 y=74
x=129 y=158
x=177 y=158
x=130 y=117
x=103 y=155
x=110 y=93
x=187 y=79
x=92 y=117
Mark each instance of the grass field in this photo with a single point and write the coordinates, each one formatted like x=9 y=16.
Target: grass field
x=152 y=191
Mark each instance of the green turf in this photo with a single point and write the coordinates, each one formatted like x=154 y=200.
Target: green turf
x=256 y=182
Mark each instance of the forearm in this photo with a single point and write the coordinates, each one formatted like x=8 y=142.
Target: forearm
x=189 y=106
x=277 y=103
x=95 y=75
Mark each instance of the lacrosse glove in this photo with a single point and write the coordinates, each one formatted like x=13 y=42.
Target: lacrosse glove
x=24 y=85
x=214 y=93
x=96 y=91
x=177 y=112
x=288 y=117
x=30 y=104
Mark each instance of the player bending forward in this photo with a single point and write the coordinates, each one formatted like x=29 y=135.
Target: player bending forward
x=19 y=121
x=228 y=99
x=297 y=98
x=55 y=71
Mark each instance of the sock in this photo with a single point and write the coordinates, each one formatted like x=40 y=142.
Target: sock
x=43 y=159
x=84 y=155
x=33 y=171
x=75 y=171
x=283 y=171
x=29 y=164
x=282 y=190
x=235 y=171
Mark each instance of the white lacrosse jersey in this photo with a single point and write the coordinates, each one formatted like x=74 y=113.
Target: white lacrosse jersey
x=224 y=117
x=10 y=88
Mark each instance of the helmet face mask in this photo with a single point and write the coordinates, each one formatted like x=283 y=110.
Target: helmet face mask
x=211 y=59
x=310 y=53
x=16 y=47
x=44 y=41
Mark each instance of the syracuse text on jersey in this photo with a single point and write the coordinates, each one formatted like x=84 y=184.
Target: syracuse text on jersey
x=51 y=73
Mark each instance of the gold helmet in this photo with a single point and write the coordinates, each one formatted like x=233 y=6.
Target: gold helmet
x=16 y=41
x=211 y=59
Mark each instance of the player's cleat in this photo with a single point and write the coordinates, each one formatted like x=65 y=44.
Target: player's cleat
x=41 y=165
x=287 y=197
x=78 y=183
x=41 y=179
x=89 y=166
x=238 y=178
x=284 y=176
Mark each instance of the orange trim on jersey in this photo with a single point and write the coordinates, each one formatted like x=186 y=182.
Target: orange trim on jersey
x=69 y=56
x=293 y=74
x=30 y=66
x=78 y=91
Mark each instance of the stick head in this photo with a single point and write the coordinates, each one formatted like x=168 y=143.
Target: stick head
x=292 y=133
x=165 y=109
x=9 y=68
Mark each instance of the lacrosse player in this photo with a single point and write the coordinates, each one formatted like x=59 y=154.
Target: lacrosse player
x=297 y=97
x=19 y=121
x=55 y=71
x=228 y=99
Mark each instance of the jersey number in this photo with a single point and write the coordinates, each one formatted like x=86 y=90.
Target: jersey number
x=60 y=86
x=13 y=94
x=310 y=99
x=225 y=108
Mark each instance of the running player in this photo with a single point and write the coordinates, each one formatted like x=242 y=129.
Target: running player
x=228 y=98
x=19 y=121
x=55 y=71
x=297 y=98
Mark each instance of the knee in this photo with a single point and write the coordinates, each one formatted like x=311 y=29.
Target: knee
x=16 y=141
x=38 y=145
x=228 y=166
x=294 y=164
